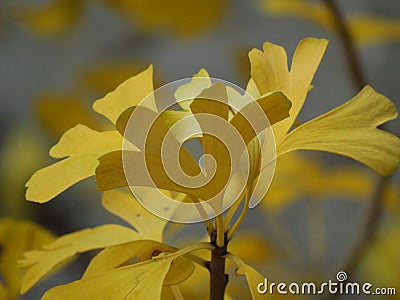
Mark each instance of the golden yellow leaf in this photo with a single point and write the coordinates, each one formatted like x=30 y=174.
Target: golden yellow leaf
x=351 y=130
x=130 y=93
x=110 y=172
x=138 y=281
x=253 y=280
x=16 y=237
x=275 y=106
x=41 y=262
x=116 y=256
x=82 y=146
x=125 y=206
x=269 y=70
x=186 y=93
x=213 y=101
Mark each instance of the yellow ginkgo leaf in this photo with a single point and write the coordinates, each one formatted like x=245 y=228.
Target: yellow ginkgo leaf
x=129 y=93
x=115 y=256
x=269 y=70
x=252 y=276
x=125 y=206
x=41 y=262
x=54 y=18
x=213 y=101
x=186 y=93
x=255 y=281
x=138 y=281
x=181 y=269
x=16 y=237
x=351 y=130
x=149 y=226
x=82 y=146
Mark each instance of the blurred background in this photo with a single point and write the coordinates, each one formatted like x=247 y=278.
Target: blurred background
x=57 y=57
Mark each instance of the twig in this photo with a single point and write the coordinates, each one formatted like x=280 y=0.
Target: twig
x=373 y=210
x=351 y=52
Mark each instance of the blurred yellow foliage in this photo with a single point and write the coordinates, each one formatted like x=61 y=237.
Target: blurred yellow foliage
x=180 y=17
x=365 y=29
x=16 y=237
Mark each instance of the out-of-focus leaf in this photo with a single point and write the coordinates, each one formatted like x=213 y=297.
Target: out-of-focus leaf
x=370 y=29
x=59 y=113
x=365 y=29
x=52 y=19
x=379 y=262
x=251 y=247
x=182 y=17
x=16 y=237
x=22 y=152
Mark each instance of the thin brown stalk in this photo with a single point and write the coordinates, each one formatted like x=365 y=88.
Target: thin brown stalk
x=373 y=210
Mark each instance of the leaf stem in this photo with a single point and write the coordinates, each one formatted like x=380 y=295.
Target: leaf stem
x=219 y=221
x=231 y=211
x=176 y=291
x=239 y=221
x=209 y=225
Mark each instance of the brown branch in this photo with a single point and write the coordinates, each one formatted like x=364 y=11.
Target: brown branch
x=218 y=278
x=373 y=210
x=351 y=51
